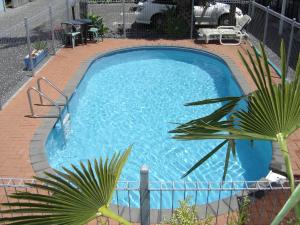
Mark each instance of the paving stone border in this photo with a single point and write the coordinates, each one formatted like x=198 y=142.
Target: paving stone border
x=40 y=163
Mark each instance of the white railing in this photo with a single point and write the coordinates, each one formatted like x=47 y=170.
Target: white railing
x=151 y=202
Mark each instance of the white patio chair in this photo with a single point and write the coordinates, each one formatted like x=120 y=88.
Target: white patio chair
x=222 y=33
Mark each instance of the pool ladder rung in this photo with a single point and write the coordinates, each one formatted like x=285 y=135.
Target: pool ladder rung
x=42 y=96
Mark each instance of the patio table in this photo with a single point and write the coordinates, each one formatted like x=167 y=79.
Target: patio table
x=84 y=24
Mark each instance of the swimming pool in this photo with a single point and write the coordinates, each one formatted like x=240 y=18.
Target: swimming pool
x=135 y=96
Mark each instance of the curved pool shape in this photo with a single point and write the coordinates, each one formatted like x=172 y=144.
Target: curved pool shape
x=135 y=96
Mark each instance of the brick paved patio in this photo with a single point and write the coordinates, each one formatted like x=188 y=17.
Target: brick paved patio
x=16 y=130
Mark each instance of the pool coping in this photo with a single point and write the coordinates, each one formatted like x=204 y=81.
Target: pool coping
x=38 y=158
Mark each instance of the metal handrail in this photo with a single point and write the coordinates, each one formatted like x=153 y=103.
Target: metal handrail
x=53 y=86
x=41 y=94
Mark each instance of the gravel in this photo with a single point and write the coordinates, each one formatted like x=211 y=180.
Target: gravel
x=13 y=43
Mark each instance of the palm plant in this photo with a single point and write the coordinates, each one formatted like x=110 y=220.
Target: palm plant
x=77 y=196
x=291 y=203
x=272 y=113
x=97 y=22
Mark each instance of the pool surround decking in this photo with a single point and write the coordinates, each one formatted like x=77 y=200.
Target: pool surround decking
x=19 y=133
x=40 y=163
x=38 y=156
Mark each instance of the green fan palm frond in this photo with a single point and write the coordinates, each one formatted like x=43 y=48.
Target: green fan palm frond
x=77 y=195
x=272 y=112
x=290 y=204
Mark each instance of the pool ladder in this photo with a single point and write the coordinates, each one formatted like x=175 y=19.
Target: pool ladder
x=42 y=96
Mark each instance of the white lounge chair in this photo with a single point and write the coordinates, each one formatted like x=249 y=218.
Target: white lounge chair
x=226 y=32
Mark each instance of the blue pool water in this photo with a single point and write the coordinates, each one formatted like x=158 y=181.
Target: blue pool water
x=135 y=97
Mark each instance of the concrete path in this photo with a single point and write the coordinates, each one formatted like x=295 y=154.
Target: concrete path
x=16 y=16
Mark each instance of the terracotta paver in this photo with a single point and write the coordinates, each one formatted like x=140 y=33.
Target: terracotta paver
x=16 y=130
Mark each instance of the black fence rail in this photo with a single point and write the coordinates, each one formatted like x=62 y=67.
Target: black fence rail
x=160 y=19
x=270 y=28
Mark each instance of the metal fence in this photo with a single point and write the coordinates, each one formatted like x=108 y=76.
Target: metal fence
x=270 y=27
x=18 y=41
x=121 y=18
x=149 y=202
x=267 y=26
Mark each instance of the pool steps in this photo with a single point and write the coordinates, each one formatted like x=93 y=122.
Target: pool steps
x=64 y=117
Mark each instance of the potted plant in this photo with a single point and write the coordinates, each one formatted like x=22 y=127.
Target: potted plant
x=97 y=21
x=38 y=53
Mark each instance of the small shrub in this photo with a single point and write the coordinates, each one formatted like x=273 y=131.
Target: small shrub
x=241 y=217
x=39 y=45
x=173 y=25
x=186 y=215
x=97 y=22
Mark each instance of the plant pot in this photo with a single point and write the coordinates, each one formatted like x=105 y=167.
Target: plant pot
x=37 y=57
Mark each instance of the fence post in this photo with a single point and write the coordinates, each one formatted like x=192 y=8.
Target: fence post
x=249 y=8
x=252 y=8
x=124 y=22
x=144 y=195
x=290 y=45
x=283 y=7
x=68 y=9
x=266 y=25
x=52 y=30
x=29 y=44
x=4 y=6
x=192 y=20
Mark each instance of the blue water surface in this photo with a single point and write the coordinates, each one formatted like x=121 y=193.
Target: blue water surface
x=135 y=97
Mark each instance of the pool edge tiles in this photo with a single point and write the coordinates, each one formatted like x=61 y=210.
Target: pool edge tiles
x=39 y=161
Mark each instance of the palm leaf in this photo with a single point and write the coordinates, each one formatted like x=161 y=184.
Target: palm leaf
x=272 y=112
x=206 y=157
x=211 y=101
x=77 y=195
x=272 y=109
x=290 y=204
x=228 y=151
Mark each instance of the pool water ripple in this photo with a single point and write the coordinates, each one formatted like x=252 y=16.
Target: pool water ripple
x=135 y=97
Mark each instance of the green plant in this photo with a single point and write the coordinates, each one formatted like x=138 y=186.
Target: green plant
x=186 y=215
x=206 y=221
x=240 y=217
x=77 y=197
x=290 y=204
x=97 y=22
x=173 y=25
x=272 y=113
x=39 y=45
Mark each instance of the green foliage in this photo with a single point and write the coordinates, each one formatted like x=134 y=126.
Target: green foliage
x=40 y=45
x=97 y=22
x=78 y=195
x=290 y=204
x=207 y=221
x=242 y=216
x=186 y=215
x=173 y=25
x=272 y=113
